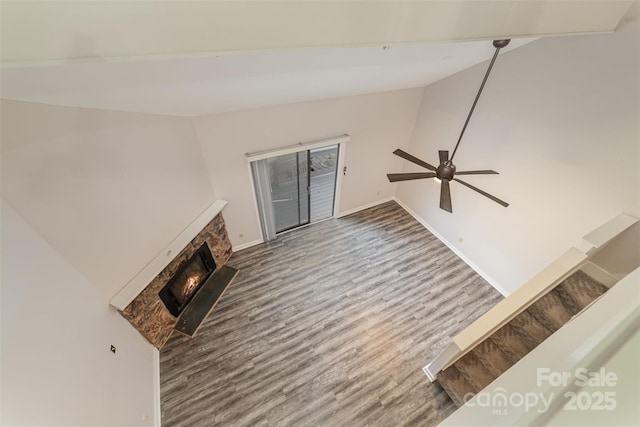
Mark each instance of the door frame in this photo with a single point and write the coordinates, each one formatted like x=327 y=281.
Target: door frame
x=302 y=146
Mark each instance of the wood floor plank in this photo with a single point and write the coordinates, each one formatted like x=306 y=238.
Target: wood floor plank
x=328 y=325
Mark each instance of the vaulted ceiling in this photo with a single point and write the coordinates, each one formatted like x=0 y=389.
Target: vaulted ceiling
x=192 y=58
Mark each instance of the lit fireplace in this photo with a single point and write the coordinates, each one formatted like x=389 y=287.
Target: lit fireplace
x=190 y=276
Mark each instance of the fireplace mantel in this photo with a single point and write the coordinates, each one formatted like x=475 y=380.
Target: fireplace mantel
x=140 y=281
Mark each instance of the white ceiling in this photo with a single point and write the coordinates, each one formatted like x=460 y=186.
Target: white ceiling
x=191 y=58
x=205 y=85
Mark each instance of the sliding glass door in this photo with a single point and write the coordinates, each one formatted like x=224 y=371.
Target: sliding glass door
x=295 y=189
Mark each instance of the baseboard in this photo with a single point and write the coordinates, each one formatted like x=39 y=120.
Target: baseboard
x=339 y=215
x=156 y=389
x=363 y=207
x=455 y=250
x=247 y=245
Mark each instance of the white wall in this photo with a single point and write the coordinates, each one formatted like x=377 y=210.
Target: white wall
x=377 y=124
x=621 y=255
x=108 y=190
x=56 y=363
x=559 y=120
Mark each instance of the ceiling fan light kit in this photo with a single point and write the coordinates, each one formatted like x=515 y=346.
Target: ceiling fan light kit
x=446 y=170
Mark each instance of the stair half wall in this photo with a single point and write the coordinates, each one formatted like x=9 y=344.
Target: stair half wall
x=507 y=345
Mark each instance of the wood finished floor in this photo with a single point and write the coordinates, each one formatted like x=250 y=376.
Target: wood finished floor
x=329 y=325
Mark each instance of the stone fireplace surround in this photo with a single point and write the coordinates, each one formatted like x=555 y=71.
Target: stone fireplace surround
x=146 y=312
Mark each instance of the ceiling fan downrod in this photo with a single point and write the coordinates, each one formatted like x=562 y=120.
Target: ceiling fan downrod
x=498 y=44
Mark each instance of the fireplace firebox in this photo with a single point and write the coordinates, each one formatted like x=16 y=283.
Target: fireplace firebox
x=181 y=288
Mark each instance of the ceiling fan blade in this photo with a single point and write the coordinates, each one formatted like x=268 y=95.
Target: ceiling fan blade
x=444 y=155
x=445 y=196
x=413 y=159
x=393 y=177
x=482 y=172
x=484 y=193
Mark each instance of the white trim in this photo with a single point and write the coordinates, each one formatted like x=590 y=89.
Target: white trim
x=430 y=376
x=247 y=245
x=255 y=204
x=598 y=274
x=609 y=230
x=342 y=151
x=442 y=359
x=157 y=405
x=455 y=250
x=363 y=207
x=301 y=146
x=141 y=280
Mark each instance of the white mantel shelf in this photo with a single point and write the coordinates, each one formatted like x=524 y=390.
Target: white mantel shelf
x=157 y=264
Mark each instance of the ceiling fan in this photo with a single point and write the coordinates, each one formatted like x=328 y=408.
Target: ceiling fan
x=446 y=170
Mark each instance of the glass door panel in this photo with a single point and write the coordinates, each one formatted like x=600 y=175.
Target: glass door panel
x=289 y=190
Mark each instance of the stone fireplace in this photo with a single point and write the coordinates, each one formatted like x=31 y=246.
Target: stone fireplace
x=147 y=312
